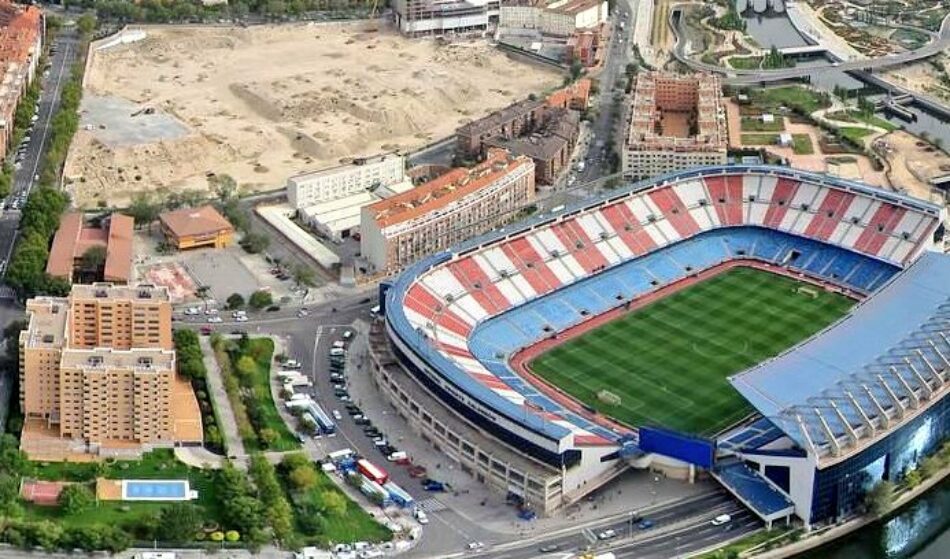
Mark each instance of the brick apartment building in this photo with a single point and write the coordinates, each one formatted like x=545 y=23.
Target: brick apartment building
x=675 y=122
x=21 y=44
x=454 y=207
x=549 y=145
x=587 y=46
x=545 y=130
x=97 y=374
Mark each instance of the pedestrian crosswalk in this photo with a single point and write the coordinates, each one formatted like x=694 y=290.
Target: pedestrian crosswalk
x=431 y=504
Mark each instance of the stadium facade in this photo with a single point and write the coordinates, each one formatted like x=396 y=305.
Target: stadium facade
x=859 y=402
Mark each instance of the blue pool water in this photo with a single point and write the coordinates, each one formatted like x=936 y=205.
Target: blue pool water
x=156 y=490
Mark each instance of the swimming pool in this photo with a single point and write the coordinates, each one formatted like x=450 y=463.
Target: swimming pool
x=157 y=490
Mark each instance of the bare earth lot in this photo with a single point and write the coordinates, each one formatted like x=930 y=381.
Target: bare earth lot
x=264 y=103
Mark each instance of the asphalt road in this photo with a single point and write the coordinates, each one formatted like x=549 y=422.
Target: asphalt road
x=66 y=44
x=677 y=529
x=940 y=42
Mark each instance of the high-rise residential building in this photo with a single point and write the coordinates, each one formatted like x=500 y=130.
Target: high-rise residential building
x=675 y=122
x=454 y=207
x=97 y=374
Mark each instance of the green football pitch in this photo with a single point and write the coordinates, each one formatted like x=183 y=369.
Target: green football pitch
x=668 y=361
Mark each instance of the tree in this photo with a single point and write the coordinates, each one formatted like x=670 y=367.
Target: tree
x=254 y=242
x=303 y=275
x=179 y=523
x=75 y=498
x=260 y=300
x=245 y=366
x=94 y=259
x=143 y=210
x=913 y=478
x=232 y=535
x=880 y=498
x=86 y=24
x=223 y=186
x=235 y=301
x=576 y=70
x=303 y=477
x=268 y=437
x=334 y=502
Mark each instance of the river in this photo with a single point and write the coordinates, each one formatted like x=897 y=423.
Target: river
x=918 y=531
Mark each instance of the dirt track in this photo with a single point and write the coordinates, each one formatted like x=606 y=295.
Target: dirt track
x=264 y=103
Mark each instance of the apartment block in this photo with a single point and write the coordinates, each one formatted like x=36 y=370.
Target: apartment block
x=545 y=130
x=21 y=44
x=588 y=46
x=674 y=122
x=549 y=145
x=360 y=176
x=98 y=374
x=512 y=121
x=452 y=208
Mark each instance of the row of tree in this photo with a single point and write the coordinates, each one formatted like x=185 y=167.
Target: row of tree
x=167 y=11
x=40 y=216
x=191 y=366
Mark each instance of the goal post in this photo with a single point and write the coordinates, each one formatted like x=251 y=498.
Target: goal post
x=609 y=397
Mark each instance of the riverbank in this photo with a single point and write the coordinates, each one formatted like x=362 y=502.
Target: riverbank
x=823 y=537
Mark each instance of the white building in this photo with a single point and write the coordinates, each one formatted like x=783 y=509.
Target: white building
x=363 y=175
x=439 y=17
x=559 y=17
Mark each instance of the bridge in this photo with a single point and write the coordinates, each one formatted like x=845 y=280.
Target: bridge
x=939 y=42
x=806 y=49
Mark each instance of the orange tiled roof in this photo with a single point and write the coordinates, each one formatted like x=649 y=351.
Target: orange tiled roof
x=195 y=222
x=444 y=189
x=73 y=239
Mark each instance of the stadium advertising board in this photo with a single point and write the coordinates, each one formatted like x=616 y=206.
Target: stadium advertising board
x=677 y=445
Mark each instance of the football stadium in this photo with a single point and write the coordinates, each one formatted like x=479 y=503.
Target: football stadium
x=782 y=331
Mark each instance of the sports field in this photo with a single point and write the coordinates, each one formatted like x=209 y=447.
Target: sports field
x=669 y=360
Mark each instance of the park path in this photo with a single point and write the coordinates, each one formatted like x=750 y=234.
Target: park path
x=222 y=404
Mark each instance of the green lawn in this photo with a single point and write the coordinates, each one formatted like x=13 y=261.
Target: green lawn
x=255 y=396
x=755 y=124
x=792 y=96
x=759 y=139
x=158 y=464
x=802 y=145
x=669 y=361
x=349 y=525
x=746 y=62
x=854 y=135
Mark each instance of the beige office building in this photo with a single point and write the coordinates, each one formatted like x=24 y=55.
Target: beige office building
x=674 y=123
x=97 y=374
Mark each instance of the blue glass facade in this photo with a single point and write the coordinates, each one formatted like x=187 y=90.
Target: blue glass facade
x=840 y=489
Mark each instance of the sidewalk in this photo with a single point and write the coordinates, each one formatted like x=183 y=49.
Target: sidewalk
x=228 y=425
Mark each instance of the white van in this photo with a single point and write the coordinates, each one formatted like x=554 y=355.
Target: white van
x=721 y=519
x=338 y=344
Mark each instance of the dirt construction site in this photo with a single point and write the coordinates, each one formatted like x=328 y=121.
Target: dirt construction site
x=263 y=103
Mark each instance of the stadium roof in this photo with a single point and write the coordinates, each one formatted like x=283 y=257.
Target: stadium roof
x=882 y=364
